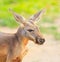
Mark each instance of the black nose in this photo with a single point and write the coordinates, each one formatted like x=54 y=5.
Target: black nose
x=42 y=40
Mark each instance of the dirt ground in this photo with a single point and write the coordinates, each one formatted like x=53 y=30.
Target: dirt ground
x=48 y=52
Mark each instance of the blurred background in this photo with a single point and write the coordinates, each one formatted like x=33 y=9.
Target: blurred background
x=49 y=24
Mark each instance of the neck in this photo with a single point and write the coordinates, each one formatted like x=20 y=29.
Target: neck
x=24 y=41
x=20 y=38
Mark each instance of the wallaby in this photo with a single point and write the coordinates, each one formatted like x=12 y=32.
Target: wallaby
x=14 y=44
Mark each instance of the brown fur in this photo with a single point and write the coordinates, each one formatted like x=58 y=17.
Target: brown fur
x=13 y=45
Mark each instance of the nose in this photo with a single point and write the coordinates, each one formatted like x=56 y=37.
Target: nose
x=42 y=40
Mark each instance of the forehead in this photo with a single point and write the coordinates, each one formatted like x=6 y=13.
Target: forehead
x=31 y=26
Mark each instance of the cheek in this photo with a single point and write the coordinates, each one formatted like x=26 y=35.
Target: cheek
x=29 y=36
x=33 y=34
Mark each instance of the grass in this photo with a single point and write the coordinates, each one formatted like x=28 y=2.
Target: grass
x=51 y=30
x=27 y=8
x=57 y=36
x=11 y=23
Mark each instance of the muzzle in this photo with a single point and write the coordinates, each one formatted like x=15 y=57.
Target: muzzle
x=40 y=41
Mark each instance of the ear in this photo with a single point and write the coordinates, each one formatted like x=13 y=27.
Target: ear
x=36 y=16
x=18 y=17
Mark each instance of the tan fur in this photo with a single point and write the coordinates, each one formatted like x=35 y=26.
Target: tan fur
x=13 y=45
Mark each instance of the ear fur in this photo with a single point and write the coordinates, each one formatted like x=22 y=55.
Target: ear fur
x=18 y=17
x=36 y=16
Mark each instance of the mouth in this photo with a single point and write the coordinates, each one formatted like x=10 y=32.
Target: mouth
x=40 y=41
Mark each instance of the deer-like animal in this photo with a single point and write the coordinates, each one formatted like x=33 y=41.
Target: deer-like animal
x=14 y=44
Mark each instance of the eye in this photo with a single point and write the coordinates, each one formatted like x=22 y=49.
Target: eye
x=30 y=30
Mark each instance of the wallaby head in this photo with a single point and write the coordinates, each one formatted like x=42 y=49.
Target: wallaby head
x=29 y=30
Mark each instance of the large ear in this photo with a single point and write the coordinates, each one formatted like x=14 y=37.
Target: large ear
x=18 y=17
x=36 y=16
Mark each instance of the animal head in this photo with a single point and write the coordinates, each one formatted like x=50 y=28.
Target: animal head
x=30 y=30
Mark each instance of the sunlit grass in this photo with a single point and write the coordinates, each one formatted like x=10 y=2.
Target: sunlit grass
x=27 y=8
x=51 y=30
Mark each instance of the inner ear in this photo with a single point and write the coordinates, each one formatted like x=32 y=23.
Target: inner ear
x=36 y=16
x=18 y=17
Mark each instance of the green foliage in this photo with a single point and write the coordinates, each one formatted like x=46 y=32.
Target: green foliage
x=27 y=8
x=57 y=36
x=51 y=30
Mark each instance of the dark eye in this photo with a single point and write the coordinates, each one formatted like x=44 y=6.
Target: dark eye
x=30 y=30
